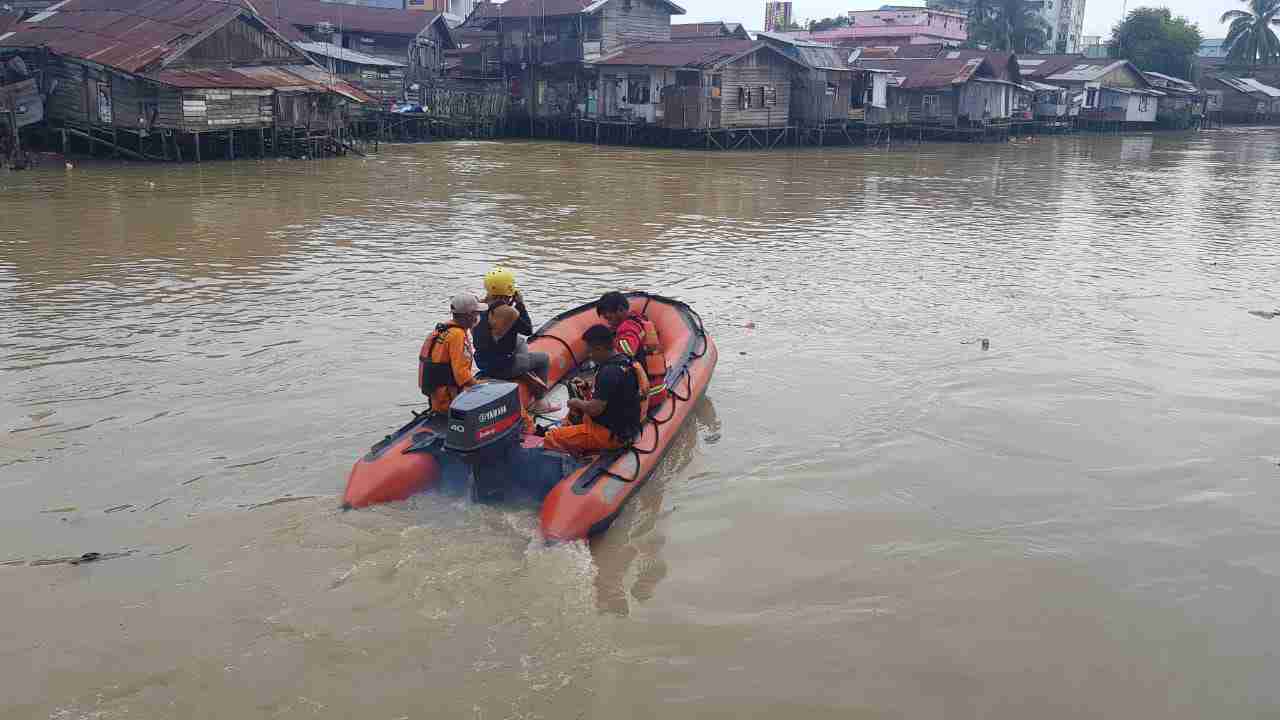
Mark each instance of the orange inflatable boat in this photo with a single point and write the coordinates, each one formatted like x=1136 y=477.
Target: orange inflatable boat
x=481 y=444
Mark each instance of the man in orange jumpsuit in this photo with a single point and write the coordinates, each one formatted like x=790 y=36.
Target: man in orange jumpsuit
x=611 y=417
x=445 y=363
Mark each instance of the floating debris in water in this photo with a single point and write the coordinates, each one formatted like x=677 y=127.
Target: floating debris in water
x=281 y=501
x=986 y=344
x=12 y=563
x=171 y=551
x=188 y=482
x=156 y=504
x=711 y=438
x=1265 y=314
x=51 y=511
x=117 y=508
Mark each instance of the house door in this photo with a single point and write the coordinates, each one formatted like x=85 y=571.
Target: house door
x=612 y=90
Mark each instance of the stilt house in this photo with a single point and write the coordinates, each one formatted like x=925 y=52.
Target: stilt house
x=165 y=78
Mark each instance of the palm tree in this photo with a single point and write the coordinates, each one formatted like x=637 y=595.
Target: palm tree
x=1251 y=39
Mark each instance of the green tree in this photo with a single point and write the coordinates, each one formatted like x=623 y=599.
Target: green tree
x=829 y=23
x=1155 y=40
x=1251 y=39
x=1008 y=25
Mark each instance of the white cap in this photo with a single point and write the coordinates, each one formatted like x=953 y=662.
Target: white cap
x=466 y=303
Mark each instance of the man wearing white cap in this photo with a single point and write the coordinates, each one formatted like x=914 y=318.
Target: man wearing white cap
x=445 y=362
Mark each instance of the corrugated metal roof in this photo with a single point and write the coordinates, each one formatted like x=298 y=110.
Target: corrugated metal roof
x=346 y=55
x=1261 y=87
x=1040 y=67
x=353 y=18
x=705 y=53
x=1088 y=70
x=940 y=73
x=124 y=34
x=300 y=78
x=691 y=31
x=548 y=8
x=1171 y=83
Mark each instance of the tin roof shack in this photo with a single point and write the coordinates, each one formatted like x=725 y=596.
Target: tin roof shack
x=1243 y=100
x=381 y=79
x=700 y=31
x=1112 y=92
x=137 y=76
x=545 y=45
x=822 y=91
x=1182 y=106
x=699 y=84
x=414 y=40
x=960 y=89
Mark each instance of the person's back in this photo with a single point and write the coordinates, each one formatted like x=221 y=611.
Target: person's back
x=617 y=386
x=613 y=415
x=497 y=340
x=445 y=361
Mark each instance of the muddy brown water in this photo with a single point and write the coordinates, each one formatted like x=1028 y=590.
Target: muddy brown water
x=871 y=516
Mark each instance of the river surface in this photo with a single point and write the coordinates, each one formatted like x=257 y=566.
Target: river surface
x=872 y=515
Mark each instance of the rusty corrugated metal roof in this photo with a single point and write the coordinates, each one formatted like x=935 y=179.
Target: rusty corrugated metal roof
x=548 y=8
x=300 y=78
x=704 y=53
x=953 y=68
x=353 y=18
x=125 y=34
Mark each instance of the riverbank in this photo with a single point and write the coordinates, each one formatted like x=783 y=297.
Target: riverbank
x=873 y=515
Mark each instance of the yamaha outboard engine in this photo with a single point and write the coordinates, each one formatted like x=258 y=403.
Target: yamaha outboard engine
x=484 y=429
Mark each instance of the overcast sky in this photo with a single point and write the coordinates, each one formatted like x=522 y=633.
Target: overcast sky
x=1100 y=15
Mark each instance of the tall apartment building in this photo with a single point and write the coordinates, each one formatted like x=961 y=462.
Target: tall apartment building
x=1065 y=19
x=1066 y=23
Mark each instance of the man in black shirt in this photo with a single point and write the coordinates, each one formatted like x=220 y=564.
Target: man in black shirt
x=611 y=417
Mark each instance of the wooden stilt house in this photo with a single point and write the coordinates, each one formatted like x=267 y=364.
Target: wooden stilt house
x=179 y=79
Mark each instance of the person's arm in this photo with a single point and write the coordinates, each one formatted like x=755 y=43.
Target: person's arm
x=606 y=383
x=460 y=359
x=524 y=325
x=594 y=408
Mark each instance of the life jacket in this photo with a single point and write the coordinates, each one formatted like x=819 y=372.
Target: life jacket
x=435 y=375
x=651 y=357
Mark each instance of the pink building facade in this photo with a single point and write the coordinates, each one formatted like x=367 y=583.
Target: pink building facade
x=899 y=26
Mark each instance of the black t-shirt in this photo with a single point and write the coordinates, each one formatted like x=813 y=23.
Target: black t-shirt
x=497 y=356
x=616 y=385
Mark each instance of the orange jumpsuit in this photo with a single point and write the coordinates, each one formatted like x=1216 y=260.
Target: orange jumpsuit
x=454 y=348
x=581 y=439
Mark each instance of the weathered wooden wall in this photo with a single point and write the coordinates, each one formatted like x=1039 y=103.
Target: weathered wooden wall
x=627 y=22
x=224 y=109
x=761 y=69
x=810 y=103
x=239 y=41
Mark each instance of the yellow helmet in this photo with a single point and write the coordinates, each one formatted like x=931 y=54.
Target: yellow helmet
x=500 y=282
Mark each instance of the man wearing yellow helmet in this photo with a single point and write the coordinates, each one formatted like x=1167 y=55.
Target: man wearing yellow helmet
x=501 y=352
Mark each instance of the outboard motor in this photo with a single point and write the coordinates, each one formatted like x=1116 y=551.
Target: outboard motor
x=484 y=430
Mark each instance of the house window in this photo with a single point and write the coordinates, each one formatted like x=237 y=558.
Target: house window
x=769 y=96
x=931 y=105
x=1091 y=98
x=744 y=99
x=638 y=90
x=831 y=89
x=1142 y=104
